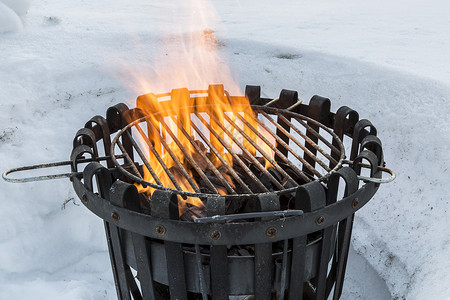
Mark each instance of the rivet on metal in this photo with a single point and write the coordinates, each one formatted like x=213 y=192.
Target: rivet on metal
x=115 y=216
x=271 y=232
x=161 y=230
x=320 y=220
x=355 y=203
x=214 y=235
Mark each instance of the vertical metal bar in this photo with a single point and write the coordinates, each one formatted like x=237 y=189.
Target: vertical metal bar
x=263 y=271
x=359 y=133
x=218 y=254
x=284 y=138
x=344 y=122
x=345 y=226
x=250 y=117
x=253 y=95
x=216 y=96
x=298 y=260
x=284 y=270
x=117 y=268
x=287 y=98
x=344 y=235
x=318 y=110
x=263 y=252
x=119 y=262
x=309 y=197
x=125 y=195
x=201 y=275
x=178 y=96
x=143 y=262
x=323 y=263
x=134 y=289
x=175 y=270
x=164 y=205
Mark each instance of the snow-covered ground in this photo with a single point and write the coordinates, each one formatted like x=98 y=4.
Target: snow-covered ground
x=389 y=60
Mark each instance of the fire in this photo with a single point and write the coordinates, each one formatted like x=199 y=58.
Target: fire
x=179 y=110
x=190 y=58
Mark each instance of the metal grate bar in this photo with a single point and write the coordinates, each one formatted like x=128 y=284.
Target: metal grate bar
x=286 y=146
x=158 y=157
x=208 y=162
x=266 y=156
x=251 y=157
x=224 y=163
x=240 y=162
x=302 y=146
x=142 y=156
x=130 y=160
x=315 y=133
x=189 y=157
x=174 y=157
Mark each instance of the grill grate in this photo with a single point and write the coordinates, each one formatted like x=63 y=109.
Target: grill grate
x=286 y=140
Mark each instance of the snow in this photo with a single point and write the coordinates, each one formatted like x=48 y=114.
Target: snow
x=10 y=12
x=9 y=20
x=63 y=63
x=20 y=7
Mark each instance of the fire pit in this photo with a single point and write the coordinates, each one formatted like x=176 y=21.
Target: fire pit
x=206 y=195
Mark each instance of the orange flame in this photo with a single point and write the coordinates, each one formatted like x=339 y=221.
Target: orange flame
x=192 y=60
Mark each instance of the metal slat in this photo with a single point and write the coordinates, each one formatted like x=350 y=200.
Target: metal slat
x=297 y=267
x=164 y=205
x=284 y=270
x=263 y=252
x=218 y=255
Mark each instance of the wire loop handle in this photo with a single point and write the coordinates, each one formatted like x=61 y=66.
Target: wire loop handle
x=372 y=179
x=45 y=166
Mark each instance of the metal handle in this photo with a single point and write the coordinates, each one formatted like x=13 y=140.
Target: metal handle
x=50 y=165
x=263 y=214
x=372 y=179
x=38 y=178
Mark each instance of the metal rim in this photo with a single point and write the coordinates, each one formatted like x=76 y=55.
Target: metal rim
x=256 y=109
